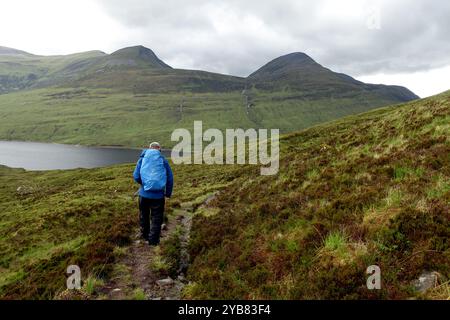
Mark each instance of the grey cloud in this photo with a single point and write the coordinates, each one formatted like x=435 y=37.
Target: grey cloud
x=237 y=37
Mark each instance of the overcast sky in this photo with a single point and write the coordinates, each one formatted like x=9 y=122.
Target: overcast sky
x=404 y=42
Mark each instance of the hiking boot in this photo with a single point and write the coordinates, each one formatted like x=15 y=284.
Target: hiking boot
x=152 y=244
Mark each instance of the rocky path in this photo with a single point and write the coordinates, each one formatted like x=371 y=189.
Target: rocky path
x=136 y=276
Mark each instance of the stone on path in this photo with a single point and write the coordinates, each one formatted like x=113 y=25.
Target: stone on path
x=165 y=282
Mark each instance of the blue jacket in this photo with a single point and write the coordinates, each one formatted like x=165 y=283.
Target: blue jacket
x=154 y=194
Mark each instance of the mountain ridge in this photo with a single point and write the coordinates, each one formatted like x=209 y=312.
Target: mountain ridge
x=296 y=70
x=92 y=93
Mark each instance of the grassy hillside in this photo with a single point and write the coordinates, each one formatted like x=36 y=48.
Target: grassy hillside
x=107 y=117
x=369 y=189
x=54 y=219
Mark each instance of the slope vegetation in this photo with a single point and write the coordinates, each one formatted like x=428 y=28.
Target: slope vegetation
x=372 y=189
x=368 y=189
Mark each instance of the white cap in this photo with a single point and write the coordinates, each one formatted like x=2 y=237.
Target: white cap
x=155 y=145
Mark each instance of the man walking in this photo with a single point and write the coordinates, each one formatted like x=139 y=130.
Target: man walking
x=155 y=176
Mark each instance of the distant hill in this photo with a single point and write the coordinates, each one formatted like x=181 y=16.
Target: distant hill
x=5 y=51
x=94 y=92
x=298 y=71
x=121 y=60
x=135 y=69
x=20 y=70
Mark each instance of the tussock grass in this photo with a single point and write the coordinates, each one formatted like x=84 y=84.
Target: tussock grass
x=91 y=284
x=394 y=197
x=158 y=263
x=139 y=294
x=335 y=241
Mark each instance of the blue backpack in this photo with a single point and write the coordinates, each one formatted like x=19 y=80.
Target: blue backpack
x=153 y=171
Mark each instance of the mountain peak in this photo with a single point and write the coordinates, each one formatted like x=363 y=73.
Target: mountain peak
x=292 y=63
x=140 y=54
x=292 y=59
x=133 y=50
x=296 y=57
x=298 y=71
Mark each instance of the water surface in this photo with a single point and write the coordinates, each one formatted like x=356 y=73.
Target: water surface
x=49 y=156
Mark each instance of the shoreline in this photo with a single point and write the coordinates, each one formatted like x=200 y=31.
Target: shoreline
x=99 y=146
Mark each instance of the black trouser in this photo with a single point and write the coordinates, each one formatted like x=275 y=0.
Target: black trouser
x=156 y=206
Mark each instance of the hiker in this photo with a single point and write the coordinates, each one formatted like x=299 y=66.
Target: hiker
x=155 y=176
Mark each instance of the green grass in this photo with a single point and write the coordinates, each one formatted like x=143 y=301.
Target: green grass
x=393 y=198
x=139 y=294
x=91 y=284
x=158 y=263
x=171 y=251
x=401 y=173
x=335 y=241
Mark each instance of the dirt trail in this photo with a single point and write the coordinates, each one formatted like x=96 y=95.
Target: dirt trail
x=134 y=272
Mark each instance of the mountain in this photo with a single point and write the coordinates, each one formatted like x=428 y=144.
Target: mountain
x=93 y=92
x=294 y=68
x=298 y=71
x=139 y=69
x=137 y=55
x=135 y=69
